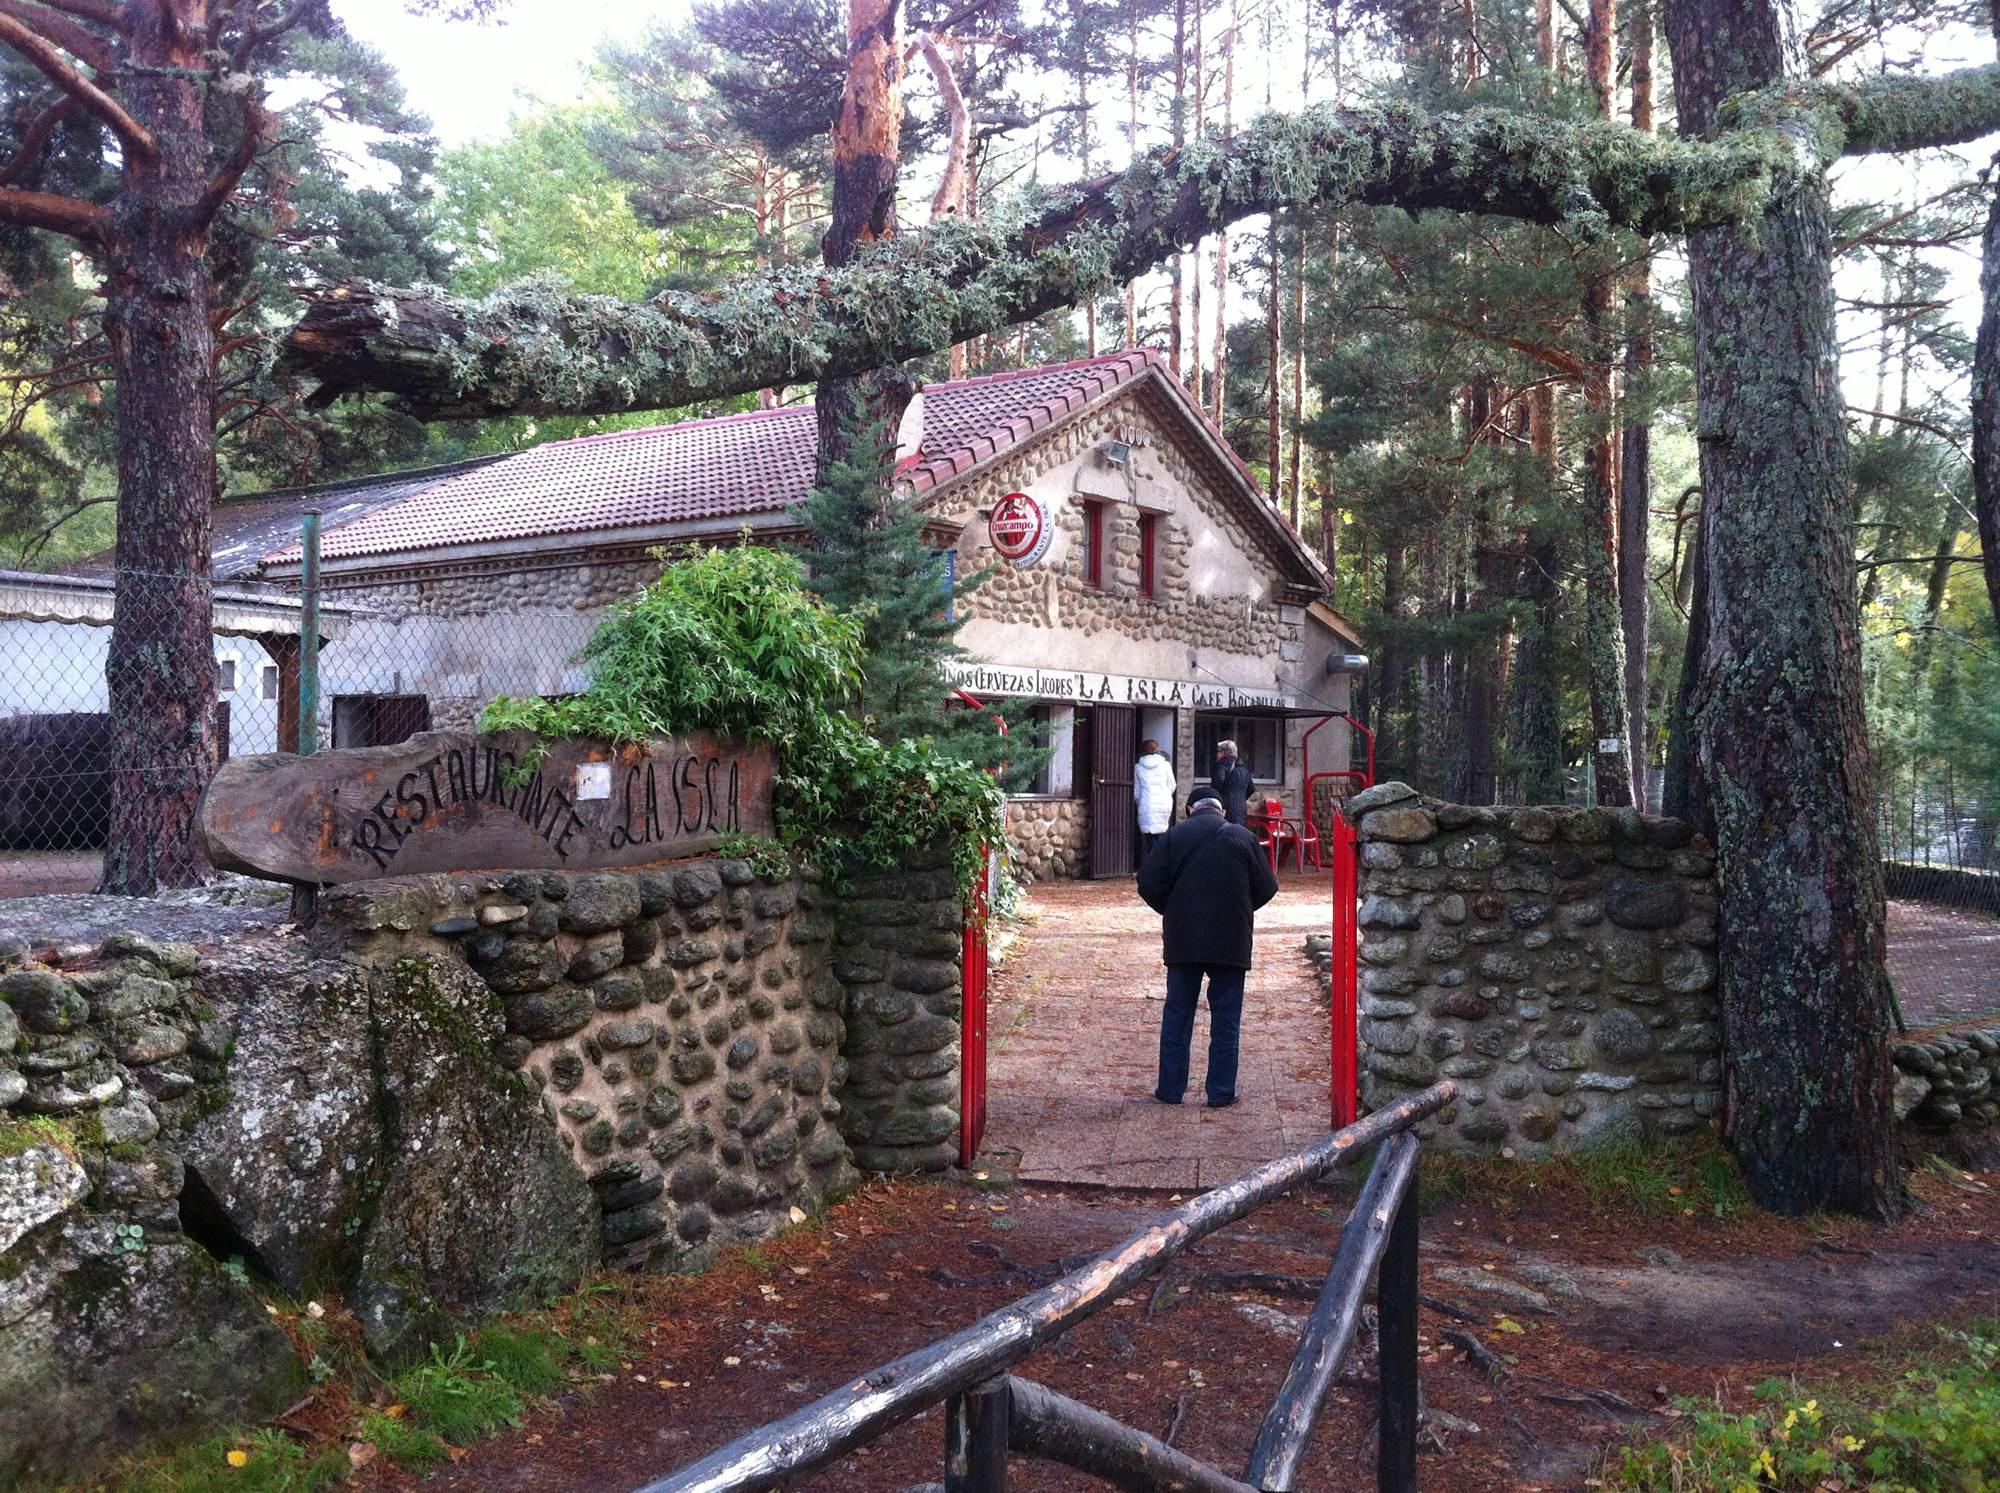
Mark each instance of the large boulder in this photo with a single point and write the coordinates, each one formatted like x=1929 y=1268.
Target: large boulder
x=110 y=1336
x=374 y=1143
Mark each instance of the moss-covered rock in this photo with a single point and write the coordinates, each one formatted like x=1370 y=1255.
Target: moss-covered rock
x=104 y=1346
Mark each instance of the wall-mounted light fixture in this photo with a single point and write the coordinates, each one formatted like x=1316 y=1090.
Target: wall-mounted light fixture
x=1116 y=454
x=1347 y=663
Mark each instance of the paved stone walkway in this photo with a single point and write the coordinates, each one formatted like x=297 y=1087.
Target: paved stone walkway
x=1074 y=1025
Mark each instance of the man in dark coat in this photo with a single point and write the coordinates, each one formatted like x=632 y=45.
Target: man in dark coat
x=1232 y=781
x=1206 y=878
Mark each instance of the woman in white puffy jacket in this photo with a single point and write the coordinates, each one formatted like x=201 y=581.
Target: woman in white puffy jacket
x=1153 y=791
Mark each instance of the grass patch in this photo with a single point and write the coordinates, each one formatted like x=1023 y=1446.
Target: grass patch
x=1916 y=1421
x=257 y=1462
x=477 y=1384
x=1693 y=1179
x=31 y=1131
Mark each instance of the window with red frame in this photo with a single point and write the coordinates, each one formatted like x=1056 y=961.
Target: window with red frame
x=1149 y=557
x=1093 y=545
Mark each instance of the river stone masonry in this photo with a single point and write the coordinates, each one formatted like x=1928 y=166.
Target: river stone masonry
x=898 y=957
x=1948 y=1092
x=1048 y=839
x=1558 y=963
x=678 y=1023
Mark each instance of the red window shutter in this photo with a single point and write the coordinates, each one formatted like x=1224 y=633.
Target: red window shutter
x=1149 y=528
x=1093 y=544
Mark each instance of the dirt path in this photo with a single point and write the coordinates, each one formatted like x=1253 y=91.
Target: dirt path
x=1604 y=1337
x=1075 y=1024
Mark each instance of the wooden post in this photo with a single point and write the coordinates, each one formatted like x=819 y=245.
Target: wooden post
x=1396 y=1322
x=975 y=1438
x=1281 y=1442
x=1058 y=1429
x=305 y=707
x=779 y=1454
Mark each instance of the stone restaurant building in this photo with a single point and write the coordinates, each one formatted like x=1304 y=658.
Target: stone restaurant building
x=1142 y=585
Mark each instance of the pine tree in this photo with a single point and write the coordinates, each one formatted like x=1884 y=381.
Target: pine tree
x=868 y=554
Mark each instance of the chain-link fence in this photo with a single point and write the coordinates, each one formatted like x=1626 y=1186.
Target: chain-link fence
x=402 y=656
x=1940 y=833
x=394 y=660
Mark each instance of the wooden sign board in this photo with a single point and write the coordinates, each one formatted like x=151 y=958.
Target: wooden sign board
x=452 y=801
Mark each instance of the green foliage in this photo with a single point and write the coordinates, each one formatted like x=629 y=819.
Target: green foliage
x=733 y=641
x=28 y=1131
x=461 y=1395
x=725 y=638
x=271 y=1462
x=1932 y=1423
x=1659 y=1178
x=868 y=558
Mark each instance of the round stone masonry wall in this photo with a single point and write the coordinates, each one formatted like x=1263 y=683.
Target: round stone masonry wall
x=1558 y=963
x=898 y=960
x=679 y=1023
x=1048 y=839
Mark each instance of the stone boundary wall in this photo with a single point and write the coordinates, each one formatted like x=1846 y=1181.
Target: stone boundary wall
x=676 y=1022
x=1556 y=962
x=899 y=945
x=1948 y=1092
x=455 y=1095
x=1048 y=839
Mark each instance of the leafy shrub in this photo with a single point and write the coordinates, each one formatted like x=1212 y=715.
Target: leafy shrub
x=733 y=640
x=1935 y=1426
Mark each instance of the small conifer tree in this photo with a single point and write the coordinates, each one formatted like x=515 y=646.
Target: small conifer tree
x=867 y=554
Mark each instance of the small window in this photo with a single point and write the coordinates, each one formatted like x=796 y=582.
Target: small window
x=267 y=682
x=1093 y=545
x=1260 y=743
x=225 y=675
x=1149 y=559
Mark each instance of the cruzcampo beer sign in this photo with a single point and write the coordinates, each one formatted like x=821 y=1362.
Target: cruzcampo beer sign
x=447 y=801
x=1019 y=529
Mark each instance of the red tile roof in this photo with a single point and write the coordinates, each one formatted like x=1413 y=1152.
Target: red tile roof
x=730 y=467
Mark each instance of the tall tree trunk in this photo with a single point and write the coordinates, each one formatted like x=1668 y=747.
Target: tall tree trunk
x=1176 y=333
x=1197 y=129
x=867 y=135
x=1484 y=651
x=1635 y=473
x=1780 y=735
x=1684 y=794
x=1603 y=627
x=1219 y=379
x=1084 y=163
x=1534 y=709
x=1132 y=125
x=160 y=670
x=1392 y=699
x=1274 y=374
x=1986 y=406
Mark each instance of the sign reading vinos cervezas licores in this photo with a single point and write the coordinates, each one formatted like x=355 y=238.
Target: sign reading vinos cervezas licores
x=447 y=801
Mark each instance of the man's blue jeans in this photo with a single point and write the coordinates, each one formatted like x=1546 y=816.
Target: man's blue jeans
x=1225 y=1022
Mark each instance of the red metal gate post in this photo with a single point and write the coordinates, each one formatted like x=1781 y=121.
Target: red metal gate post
x=972 y=1014
x=1346 y=1085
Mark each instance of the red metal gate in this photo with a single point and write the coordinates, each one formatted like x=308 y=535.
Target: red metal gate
x=972 y=1017
x=1346 y=1084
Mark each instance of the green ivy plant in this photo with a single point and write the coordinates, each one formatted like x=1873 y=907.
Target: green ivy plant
x=731 y=639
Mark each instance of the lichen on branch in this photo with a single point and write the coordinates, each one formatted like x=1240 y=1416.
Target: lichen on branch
x=535 y=348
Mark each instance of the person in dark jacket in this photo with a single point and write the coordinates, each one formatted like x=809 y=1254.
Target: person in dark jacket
x=1206 y=878
x=1232 y=781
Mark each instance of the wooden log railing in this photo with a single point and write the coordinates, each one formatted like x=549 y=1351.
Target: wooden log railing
x=990 y=1413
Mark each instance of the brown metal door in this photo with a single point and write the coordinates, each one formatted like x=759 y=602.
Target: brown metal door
x=1114 y=821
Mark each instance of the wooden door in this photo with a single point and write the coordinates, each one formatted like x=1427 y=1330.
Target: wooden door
x=1114 y=821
